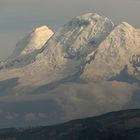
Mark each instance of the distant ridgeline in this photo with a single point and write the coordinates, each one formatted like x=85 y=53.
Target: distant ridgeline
x=121 y=125
x=8 y=138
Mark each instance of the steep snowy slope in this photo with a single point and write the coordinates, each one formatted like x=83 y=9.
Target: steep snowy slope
x=29 y=47
x=114 y=54
x=71 y=46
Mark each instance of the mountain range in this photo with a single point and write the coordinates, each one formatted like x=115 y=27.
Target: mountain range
x=89 y=66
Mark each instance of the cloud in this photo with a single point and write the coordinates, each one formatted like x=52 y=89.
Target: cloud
x=68 y=101
x=82 y=100
x=1 y=112
x=10 y=116
x=35 y=116
x=30 y=116
x=42 y=115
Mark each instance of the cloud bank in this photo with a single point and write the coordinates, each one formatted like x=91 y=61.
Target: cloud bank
x=68 y=101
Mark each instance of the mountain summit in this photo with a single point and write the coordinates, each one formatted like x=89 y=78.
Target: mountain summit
x=27 y=49
x=114 y=53
x=74 y=44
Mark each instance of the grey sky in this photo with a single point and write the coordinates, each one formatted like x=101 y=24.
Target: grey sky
x=19 y=17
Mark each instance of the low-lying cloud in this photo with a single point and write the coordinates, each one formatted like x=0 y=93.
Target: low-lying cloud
x=82 y=100
x=69 y=101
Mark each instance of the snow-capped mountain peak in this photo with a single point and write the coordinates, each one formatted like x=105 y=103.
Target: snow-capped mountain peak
x=86 y=19
x=114 y=53
x=34 y=41
x=27 y=49
x=42 y=28
x=92 y=17
x=125 y=27
x=74 y=41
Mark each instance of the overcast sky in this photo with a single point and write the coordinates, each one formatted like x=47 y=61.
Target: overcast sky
x=19 y=17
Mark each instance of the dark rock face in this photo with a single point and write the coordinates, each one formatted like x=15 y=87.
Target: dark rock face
x=122 y=125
